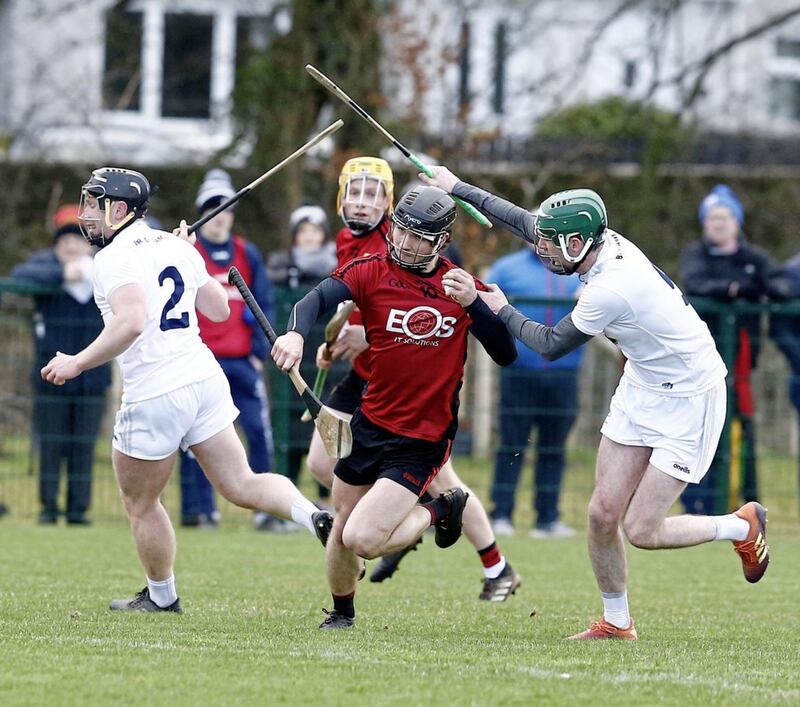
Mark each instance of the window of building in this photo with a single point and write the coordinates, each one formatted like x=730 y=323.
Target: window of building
x=784 y=98
x=783 y=89
x=500 y=50
x=186 y=86
x=174 y=75
x=122 y=74
x=788 y=48
x=629 y=74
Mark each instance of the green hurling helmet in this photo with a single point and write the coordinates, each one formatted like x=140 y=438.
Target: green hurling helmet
x=571 y=213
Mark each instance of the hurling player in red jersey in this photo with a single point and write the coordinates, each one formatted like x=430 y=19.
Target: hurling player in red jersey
x=404 y=427
x=364 y=199
x=364 y=202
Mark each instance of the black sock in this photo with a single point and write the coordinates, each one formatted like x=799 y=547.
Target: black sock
x=344 y=605
x=425 y=498
x=438 y=508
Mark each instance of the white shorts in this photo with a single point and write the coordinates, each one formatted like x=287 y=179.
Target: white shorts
x=155 y=428
x=682 y=432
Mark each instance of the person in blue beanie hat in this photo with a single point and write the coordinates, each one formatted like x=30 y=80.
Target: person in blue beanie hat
x=722 y=195
x=723 y=266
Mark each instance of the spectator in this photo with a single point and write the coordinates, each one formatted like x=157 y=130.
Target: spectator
x=536 y=393
x=309 y=260
x=785 y=330
x=237 y=344
x=311 y=256
x=66 y=420
x=724 y=267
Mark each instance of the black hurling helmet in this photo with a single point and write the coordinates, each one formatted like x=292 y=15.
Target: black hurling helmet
x=109 y=184
x=427 y=212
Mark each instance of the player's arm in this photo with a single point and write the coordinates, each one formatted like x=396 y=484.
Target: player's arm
x=288 y=349
x=489 y=329
x=597 y=308
x=212 y=301
x=129 y=306
x=519 y=221
x=486 y=327
x=552 y=342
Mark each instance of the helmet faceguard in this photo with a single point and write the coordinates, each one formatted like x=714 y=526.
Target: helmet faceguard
x=575 y=213
x=424 y=215
x=105 y=186
x=363 y=184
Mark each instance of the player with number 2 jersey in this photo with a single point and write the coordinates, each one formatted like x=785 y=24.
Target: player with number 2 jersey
x=147 y=286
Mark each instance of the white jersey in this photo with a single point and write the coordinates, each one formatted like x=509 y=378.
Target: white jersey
x=669 y=348
x=169 y=353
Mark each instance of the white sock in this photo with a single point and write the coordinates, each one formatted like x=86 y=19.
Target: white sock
x=495 y=571
x=302 y=510
x=615 y=609
x=731 y=527
x=163 y=593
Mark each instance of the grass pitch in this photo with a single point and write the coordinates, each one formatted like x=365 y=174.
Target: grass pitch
x=252 y=605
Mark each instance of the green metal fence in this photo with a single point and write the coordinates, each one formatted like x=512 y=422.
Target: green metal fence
x=775 y=419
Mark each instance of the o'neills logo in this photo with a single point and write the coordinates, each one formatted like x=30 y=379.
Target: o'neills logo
x=419 y=324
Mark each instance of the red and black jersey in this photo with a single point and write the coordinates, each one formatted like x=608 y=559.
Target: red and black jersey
x=349 y=247
x=418 y=344
x=232 y=338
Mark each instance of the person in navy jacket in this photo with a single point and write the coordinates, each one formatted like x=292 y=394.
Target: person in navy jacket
x=237 y=343
x=66 y=420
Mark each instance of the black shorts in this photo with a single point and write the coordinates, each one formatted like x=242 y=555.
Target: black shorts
x=346 y=396
x=381 y=454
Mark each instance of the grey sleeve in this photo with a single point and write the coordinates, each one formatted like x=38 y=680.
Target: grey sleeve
x=516 y=219
x=552 y=342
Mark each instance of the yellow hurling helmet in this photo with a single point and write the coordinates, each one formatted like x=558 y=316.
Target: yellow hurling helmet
x=354 y=179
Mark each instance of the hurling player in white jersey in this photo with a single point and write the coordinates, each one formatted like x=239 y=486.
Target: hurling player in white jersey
x=668 y=411
x=147 y=286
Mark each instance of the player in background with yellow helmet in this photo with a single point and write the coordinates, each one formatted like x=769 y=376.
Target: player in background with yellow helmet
x=364 y=203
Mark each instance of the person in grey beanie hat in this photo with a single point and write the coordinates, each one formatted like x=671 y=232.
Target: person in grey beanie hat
x=214 y=189
x=311 y=256
x=237 y=343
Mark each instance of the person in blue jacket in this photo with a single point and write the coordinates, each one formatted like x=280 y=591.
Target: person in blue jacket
x=66 y=419
x=534 y=393
x=237 y=343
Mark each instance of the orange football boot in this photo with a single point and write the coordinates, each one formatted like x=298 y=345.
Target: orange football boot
x=603 y=629
x=753 y=550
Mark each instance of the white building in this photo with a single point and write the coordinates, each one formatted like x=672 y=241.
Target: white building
x=500 y=66
x=150 y=81
x=147 y=81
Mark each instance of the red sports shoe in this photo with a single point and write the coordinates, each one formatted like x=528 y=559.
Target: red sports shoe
x=603 y=629
x=753 y=550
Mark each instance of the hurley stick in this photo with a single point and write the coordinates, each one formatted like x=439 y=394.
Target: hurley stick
x=419 y=164
x=334 y=429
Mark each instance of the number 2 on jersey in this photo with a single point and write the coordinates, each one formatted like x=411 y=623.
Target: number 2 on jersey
x=167 y=323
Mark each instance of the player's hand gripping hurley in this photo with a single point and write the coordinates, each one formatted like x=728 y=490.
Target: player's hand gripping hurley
x=334 y=430
x=332 y=329
x=332 y=128
x=416 y=161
